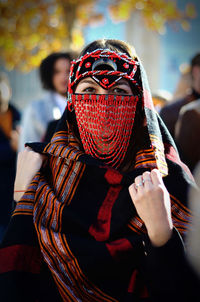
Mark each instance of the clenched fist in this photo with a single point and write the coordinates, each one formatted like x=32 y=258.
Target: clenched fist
x=152 y=202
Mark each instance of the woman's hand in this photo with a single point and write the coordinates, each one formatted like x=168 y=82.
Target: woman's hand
x=152 y=202
x=28 y=164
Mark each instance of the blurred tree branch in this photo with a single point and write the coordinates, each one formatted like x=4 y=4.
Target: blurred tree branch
x=156 y=13
x=30 y=30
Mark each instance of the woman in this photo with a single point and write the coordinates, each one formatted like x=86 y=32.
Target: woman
x=77 y=234
x=54 y=74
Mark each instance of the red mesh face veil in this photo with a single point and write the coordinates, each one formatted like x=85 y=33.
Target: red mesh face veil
x=105 y=124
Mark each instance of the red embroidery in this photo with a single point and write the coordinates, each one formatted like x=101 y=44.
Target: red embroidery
x=126 y=65
x=119 y=248
x=87 y=65
x=20 y=258
x=105 y=81
x=100 y=230
x=113 y=177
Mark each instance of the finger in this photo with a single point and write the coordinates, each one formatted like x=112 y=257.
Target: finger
x=156 y=177
x=139 y=183
x=147 y=181
x=132 y=191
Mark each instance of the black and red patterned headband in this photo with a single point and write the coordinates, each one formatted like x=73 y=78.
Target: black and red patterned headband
x=104 y=66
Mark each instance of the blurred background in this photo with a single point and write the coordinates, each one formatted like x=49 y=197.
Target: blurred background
x=164 y=33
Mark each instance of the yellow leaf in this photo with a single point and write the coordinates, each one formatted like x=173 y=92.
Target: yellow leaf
x=190 y=10
x=185 y=25
x=77 y=39
x=56 y=45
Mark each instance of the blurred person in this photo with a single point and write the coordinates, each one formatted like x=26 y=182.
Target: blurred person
x=187 y=133
x=79 y=231
x=193 y=238
x=54 y=73
x=9 y=135
x=184 y=84
x=160 y=99
x=170 y=113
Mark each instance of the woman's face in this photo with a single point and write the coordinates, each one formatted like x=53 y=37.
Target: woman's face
x=89 y=86
x=61 y=75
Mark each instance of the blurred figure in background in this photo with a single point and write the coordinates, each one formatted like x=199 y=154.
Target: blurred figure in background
x=161 y=98
x=187 y=133
x=54 y=73
x=193 y=238
x=9 y=135
x=170 y=113
x=184 y=84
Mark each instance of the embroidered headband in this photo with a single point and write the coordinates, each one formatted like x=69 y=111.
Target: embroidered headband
x=104 y=66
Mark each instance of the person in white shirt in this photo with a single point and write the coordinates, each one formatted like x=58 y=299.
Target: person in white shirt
x=54 y=73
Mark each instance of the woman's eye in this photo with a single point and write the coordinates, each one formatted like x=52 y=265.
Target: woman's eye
x=120 y=91
x=89 y=89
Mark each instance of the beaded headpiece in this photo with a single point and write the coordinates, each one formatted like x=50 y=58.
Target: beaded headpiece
x=104 y=66
x=105 y=122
